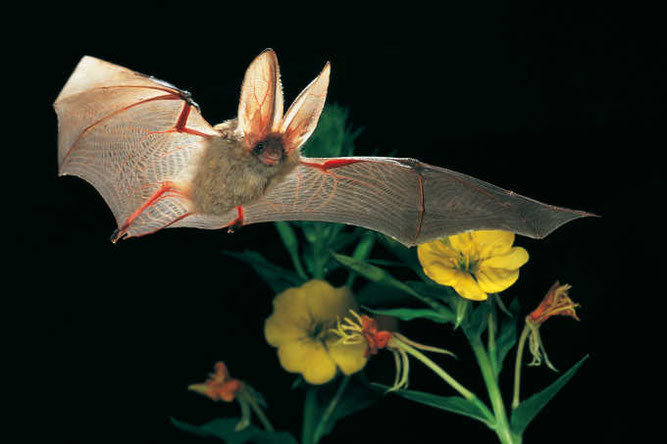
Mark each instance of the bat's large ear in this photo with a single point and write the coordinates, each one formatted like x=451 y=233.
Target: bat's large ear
x=301 y=118
x=261 y=103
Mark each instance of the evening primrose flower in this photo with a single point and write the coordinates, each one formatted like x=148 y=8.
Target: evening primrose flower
x=300 y=327
x=474 y=263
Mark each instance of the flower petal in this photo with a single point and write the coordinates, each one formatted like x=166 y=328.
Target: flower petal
x=468 y=288
x=350 y=358
x=308 y=358
x=492 y=242
x=278 y=332
x=494 y=280
x=291 y=306
x=464 y=243
x=512 y=260
x=325 y=303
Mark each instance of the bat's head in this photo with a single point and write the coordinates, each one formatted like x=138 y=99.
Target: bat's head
x=271 y=137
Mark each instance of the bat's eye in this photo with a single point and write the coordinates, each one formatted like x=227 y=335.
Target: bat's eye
x=258 y=148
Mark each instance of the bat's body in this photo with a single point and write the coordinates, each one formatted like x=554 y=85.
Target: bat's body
x=145 y=147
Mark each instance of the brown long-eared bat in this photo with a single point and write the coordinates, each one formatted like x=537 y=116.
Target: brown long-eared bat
x=143 y=144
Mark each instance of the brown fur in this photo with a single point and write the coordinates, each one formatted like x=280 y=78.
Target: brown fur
x=229 y=174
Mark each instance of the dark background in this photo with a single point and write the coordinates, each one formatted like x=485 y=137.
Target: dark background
x=563 y=105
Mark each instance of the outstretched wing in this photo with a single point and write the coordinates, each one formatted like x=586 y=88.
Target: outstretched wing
x=134 y=138
x=408 y=200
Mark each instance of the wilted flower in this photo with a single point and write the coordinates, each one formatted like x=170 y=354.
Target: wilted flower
x=300 y=327
x=220 y=386
x=557 y=302
x=474 y=263
x=364 y=330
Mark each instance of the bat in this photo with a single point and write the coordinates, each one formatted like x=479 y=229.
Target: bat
x=144 y=145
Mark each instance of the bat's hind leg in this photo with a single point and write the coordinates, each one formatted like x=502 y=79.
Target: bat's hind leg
x=163 y=209
x=237 y=223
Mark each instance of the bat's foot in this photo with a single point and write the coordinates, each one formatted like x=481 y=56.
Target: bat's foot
x=237 y=223
x=233 y=228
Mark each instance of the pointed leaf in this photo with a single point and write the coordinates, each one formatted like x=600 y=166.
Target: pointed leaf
x=224 y=428
x=408 y=314
x=506 y=336
x=381 y=276
x=528 y=409
x=357 y=395
x=277 y=277
x=454 y=404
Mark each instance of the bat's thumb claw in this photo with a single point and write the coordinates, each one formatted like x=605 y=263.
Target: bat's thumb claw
x=117 y=235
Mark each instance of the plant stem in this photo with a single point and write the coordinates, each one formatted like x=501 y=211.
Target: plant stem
x=259 y=412
x=502 y=425
x=319 y=430
x=517 y=366
x=467 y=394
x=309 y=409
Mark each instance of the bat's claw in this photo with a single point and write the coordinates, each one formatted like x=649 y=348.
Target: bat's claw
x=233 y=228
x=117 y=235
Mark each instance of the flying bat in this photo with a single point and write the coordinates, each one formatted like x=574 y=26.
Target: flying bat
x=144 y=145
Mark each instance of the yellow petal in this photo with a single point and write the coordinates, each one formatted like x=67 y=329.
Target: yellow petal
x=308 y=358
x=349 y=358
x=467 y=287
x=278 y=332
x=464 y=243
x=325 y=303
x=440 y=250
x=494 y=280
x=512 y=260
x=492 y=242
x=443 y=274
x=291 y=306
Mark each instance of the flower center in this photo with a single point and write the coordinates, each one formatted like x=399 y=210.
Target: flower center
x=467 y=263
x=319 y=331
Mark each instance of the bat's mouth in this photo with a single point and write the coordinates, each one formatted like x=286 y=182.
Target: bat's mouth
x=271 y=156
x=269 y=152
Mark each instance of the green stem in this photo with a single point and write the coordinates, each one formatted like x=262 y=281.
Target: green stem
x=309 y=410
x=258 y=411
x=319 y=430
x=502 y=425
x=517 y=366
x=491 y=344
x=320 y=255
x=291 y=242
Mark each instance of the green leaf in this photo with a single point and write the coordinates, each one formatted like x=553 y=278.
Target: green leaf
x=224 y=428
x=454 y=404
x=408 y=314
x=291 y=242
x=506 y=336
x=277 y=277
x=356 y=395
x=477 y=321
x=528 y=409
x=377 y=295
x=381 y=276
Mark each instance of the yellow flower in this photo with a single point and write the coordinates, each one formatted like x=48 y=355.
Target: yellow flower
x=300 y=327
x=474 y=263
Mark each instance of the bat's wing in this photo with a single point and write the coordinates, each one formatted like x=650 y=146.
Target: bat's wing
x=406 y=199
x=134 y=138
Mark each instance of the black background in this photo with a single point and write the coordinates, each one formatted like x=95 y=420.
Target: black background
x=563 y=105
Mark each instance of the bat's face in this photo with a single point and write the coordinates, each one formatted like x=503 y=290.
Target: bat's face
x=270 y=151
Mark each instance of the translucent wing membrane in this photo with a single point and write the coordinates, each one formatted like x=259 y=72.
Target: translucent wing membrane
x=404 y=198
x=133 y=138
